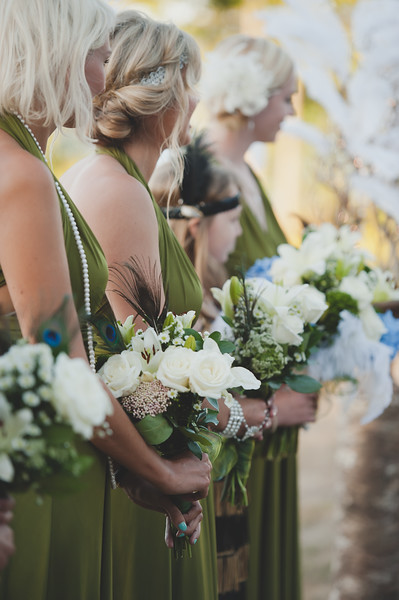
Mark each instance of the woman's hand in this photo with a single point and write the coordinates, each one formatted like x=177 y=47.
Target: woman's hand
x=255 y=411
x=295 y=408
x=187 y=475
x=145 y=494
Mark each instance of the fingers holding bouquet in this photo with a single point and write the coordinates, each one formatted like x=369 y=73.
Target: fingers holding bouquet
x=295 y=408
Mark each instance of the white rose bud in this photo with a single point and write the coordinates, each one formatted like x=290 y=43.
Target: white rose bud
x=174 y=368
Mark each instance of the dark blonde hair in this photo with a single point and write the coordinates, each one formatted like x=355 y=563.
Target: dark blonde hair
x=140 y=45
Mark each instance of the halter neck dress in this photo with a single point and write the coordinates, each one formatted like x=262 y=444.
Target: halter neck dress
x=62 y=545
x=274 y=569
x=142 y=564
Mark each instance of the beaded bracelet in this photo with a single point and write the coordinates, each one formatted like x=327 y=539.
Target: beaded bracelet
x=235 y=421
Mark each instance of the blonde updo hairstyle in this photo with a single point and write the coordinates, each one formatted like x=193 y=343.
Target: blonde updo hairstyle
x=276 y=63
x=210 y=272
x=44 y=46
x=140 y=45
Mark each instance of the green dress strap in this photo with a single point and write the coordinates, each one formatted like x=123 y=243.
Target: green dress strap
x=95 y=257
x=181 y=283
x=255 y=242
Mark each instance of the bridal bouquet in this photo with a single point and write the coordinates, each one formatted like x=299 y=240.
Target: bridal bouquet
x=161 y=379
x=330 y=260
x=46 y=401
x=273 y=328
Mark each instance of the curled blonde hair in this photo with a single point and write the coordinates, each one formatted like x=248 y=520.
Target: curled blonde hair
x=272 y=62
x=140 y=45
x=44 y=46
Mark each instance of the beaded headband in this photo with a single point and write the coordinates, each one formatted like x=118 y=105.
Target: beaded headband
x=157 y=77
x=189 y=211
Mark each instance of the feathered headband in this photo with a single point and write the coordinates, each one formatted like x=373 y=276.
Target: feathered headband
x=197 y=179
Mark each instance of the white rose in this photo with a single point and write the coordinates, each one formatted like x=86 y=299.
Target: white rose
x=174 y=368
x=312 y=303
x=121 y=373
x=79 y=396
x=210 y=371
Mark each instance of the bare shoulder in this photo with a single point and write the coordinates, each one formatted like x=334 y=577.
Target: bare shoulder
x=117 y=207
x=25 y=181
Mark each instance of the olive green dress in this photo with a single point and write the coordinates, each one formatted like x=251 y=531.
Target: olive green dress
x=274 y=569
x=143 y=567
x=63 y=546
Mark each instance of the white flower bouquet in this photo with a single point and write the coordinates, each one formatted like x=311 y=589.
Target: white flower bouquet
x=330 y=260
x=161 y=379
x=273 y=331
x=46 y=403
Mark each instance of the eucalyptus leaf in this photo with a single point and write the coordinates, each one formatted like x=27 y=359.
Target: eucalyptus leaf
x=195 y=449
x=226 y=347
x=214 y=403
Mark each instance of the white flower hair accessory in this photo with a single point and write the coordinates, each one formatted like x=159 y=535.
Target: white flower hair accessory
x=237 y=82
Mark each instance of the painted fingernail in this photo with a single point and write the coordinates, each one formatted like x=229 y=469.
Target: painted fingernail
x=182 y=526
x=195 y=541
x=180 y=534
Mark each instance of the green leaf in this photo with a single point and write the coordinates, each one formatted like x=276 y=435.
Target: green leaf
x=195 y=449
x=216 y=335
x=226 y=460
x=303 y=384
x=154 y=430
x=214 y=403
x=228 y=321
x=226 y=347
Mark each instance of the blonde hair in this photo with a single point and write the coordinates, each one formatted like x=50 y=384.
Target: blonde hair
x=274 y=62
x=140 y=45
x=210 y=272
x=44 y=46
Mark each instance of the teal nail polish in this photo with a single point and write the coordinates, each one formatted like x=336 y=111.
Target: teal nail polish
x=180 y=534
x=195 y=541
x=182 y=526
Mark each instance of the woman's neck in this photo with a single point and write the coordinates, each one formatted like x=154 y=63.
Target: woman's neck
x=230 y=143
x=42 y=133
x=145 y=154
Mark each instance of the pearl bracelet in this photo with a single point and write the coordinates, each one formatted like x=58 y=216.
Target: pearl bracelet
x=235 y=421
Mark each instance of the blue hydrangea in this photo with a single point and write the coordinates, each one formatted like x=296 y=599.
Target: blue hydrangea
x=261 y=268
x=391 y=338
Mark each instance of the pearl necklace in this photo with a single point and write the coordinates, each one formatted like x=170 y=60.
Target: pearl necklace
x=79 y=244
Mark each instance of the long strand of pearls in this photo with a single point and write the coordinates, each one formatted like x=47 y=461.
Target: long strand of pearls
x=81 y=250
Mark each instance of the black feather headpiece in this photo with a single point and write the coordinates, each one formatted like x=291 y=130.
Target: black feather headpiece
x=197 y=180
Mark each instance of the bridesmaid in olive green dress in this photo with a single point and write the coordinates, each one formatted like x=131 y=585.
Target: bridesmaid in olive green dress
x=146 y=106
x=47 y=252
x=241 y=115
